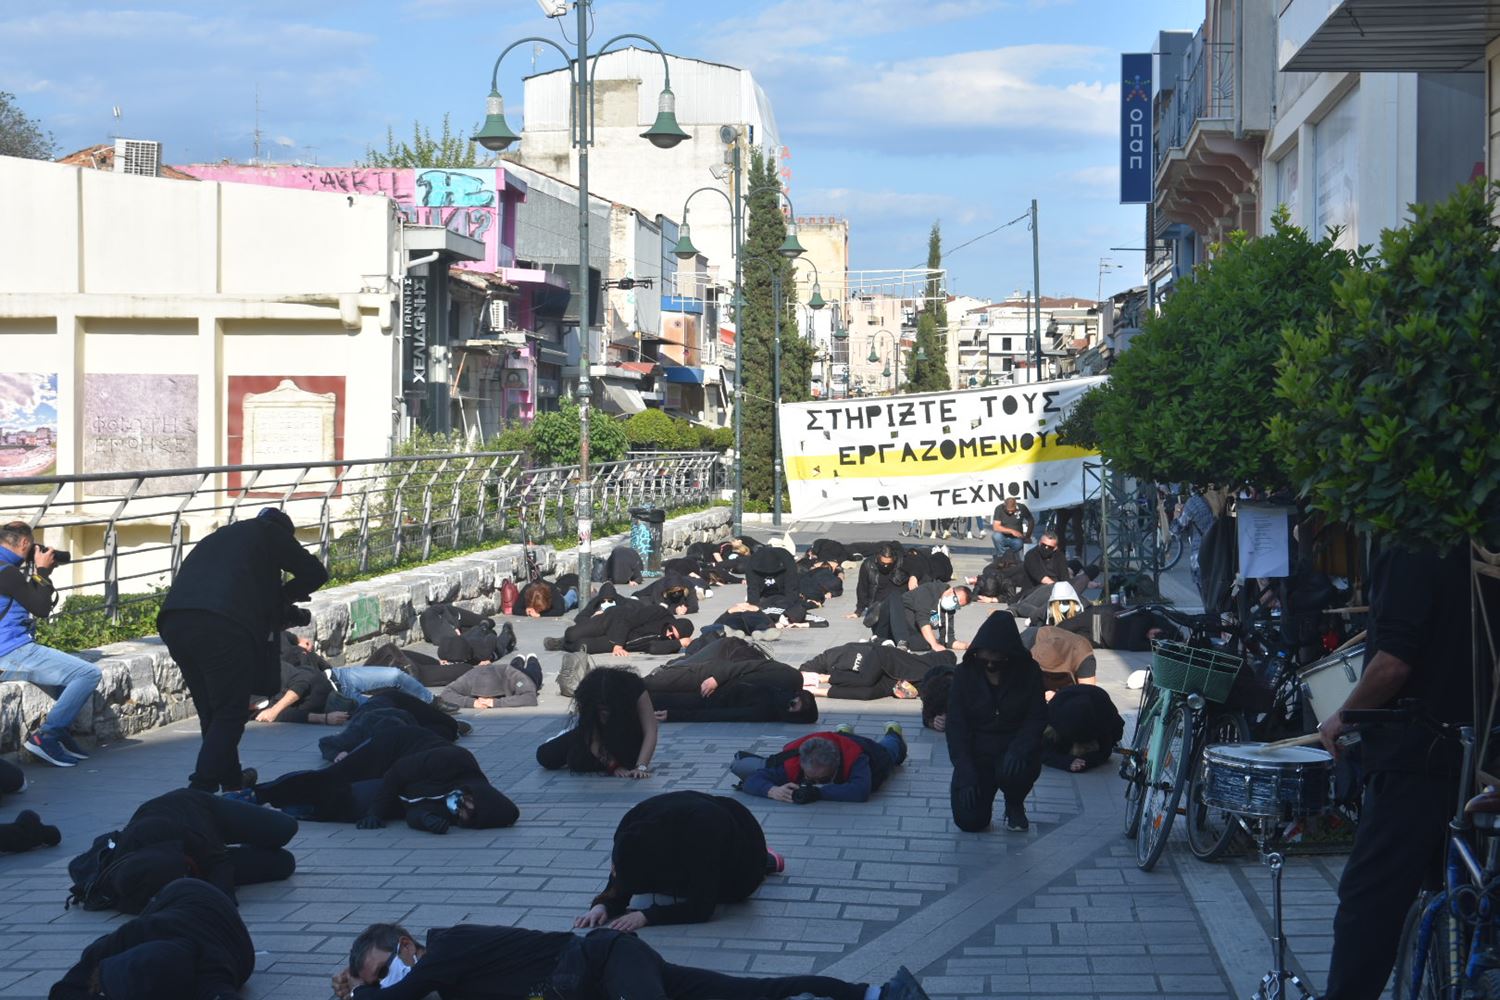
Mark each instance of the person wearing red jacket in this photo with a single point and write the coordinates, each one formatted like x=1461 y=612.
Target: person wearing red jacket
x=838 y=766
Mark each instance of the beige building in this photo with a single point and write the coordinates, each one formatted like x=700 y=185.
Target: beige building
x=826 y=240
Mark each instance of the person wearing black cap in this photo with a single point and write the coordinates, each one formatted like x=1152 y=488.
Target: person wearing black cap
x=407 y=771
x=221 y=622
x=629 y=626
x=996 y=714
x=699 y=849
x=474 y=962
x=188 y=942
x=188 y=833
x=496 y=685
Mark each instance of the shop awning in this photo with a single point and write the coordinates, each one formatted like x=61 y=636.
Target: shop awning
x=1385 y=36
x=683 y=374
x=618 y=399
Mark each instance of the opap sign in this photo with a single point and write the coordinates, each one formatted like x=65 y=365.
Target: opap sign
x=1137 y=152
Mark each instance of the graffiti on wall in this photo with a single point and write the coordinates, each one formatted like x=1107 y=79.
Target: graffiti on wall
x=464 y=201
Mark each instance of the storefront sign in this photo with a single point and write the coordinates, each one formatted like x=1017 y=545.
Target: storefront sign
x=932 y=455
x=414 y=331
x=1137 y=160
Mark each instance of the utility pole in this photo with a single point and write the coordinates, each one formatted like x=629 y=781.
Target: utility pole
x=736 y=223
x=1036 y=285
x=584 y=505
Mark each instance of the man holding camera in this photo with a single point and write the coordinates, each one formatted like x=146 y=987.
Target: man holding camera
x=222 y=623
x=26 y=596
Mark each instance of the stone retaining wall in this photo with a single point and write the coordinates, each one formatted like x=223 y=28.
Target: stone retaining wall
x=142 y=688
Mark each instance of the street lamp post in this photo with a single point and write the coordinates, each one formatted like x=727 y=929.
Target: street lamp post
x=496 y=134
x=874 y=358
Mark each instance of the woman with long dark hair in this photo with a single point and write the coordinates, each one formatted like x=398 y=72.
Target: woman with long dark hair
x=613 y=728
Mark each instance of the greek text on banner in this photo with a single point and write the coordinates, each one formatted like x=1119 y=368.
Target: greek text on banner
x=933 y=455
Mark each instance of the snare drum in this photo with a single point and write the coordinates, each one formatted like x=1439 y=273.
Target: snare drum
x=1287 y=783
x=1328 y=682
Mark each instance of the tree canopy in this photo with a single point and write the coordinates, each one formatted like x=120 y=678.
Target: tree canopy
x=447 y=150
x=931 y=375
x=22 y=136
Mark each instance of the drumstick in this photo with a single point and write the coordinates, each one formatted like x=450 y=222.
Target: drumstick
x=1295 y=741
x=1352 y=640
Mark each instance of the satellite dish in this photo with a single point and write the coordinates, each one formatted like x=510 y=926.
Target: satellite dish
x=553 y=8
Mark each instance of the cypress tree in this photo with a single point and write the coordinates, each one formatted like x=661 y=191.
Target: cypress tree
x=931 y=375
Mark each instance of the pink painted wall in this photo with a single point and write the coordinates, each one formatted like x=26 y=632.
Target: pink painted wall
x=478 y=203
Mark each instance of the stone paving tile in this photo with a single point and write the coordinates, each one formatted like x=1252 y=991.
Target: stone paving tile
x=872 y=884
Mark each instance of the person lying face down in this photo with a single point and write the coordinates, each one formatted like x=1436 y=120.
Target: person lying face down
x=629 y=626
x=473 y=962
x=403 y=772
x=739 y=702
x=839 y=766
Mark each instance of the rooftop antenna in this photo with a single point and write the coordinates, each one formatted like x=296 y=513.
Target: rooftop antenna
x=256 y=158
x=118 y=115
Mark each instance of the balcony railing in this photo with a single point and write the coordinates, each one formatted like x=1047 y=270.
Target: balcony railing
x=131 y=531
x=1204 y=89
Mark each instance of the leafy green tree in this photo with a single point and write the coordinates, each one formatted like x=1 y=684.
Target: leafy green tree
x=765 y=232
x=22 y=136
x=1191 y=399
x=931 y=375
x=447 y=150
x=1389 y=400
x=1080 y=427
x=651 y=429
x=555 y=436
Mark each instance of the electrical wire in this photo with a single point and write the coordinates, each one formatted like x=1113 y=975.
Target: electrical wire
x=950 y=251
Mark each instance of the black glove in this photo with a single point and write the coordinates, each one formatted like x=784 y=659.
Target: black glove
x=295 y=617
x=805 y=794
x=370 y=823
x=434 y=822
x=1012 y=767
x=967 y=797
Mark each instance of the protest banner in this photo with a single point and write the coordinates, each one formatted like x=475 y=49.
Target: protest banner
x=932 y=455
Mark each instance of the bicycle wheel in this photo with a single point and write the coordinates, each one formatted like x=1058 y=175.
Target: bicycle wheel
x=1135 y=767
x=1171 y=550
x=1168 y=776
x=1211 y=832
x=1436 y=977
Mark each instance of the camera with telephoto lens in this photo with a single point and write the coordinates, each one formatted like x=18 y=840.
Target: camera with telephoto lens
x=60 y=557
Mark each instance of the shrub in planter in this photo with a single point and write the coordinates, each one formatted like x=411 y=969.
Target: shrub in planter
x=555 y=436
x=1390 y=400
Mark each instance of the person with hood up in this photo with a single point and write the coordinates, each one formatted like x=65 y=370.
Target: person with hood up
x=629 y=626
x=496 y=685
x=191 y=834
x=697 y=849
x=614 y=728
x=406 y=771
x=674 y=591
x=188 y=942
x=1083 y=728
x=996 y=714
x=474 y=962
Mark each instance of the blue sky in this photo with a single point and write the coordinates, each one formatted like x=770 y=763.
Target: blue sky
x=896 y=112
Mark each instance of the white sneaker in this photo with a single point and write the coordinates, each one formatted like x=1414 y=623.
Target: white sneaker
x=707 y=594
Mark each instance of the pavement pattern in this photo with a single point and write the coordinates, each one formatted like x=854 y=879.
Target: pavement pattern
x=1059 y=911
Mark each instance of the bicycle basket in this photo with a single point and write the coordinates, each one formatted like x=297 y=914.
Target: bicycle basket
x=1176 y=666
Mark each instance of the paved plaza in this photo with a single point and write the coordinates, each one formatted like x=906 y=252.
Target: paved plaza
x=1059 y=911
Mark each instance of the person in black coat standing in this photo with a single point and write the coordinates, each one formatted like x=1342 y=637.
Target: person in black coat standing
x=701 y=849
x=996 y=715
x=222 y=621
x=188 y=942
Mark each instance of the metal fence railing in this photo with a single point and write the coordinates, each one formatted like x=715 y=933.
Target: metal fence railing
x=129 y=531
x=1203 y=88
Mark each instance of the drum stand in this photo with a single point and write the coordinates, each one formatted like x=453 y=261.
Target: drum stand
x=1273 y=984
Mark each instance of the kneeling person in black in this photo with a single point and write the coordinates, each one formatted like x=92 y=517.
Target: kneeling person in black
x=996 y=714
x=473 y=962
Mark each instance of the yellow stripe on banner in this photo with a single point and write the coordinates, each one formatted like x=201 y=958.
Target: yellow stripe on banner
x=925 y=458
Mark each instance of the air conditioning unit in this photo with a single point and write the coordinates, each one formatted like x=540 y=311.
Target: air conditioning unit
x=497 y=314
x=141 y=157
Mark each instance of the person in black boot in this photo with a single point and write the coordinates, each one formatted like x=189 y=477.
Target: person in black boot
x=996 y=715
x=701 y=849
x=189 y=942
x=474 y=962
x=25 y=832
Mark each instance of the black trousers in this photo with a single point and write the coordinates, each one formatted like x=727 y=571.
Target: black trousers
x=972 y=819
x=1398 y=847
x=327 y=791
x=622 y=965
x=568 y=750
x=220 y=662
x=897 y=624
x=257 y=839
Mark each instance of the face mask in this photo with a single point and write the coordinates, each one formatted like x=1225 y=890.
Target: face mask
x=398 y=971
x=949 y=602
x=453 y=801
x=886 y=567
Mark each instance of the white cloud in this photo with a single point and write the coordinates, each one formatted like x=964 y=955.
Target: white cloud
x=876 y=206
x=797 y=24
x=22 y=392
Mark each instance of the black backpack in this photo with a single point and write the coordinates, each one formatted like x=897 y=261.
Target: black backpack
x=91 y=888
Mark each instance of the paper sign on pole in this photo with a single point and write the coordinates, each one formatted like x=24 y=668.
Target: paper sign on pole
x=1265 y=543
x=933 y=455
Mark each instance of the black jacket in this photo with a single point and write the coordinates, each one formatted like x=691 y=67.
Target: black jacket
x=988 y=721
x=874 y=586
x=1038 y=564
x=473 y=962
x=189 y=913
x=735 y=702
x=1083 y=715
x=854 y=662
x=632 y=619
x=236 y=572
x=557 y=608
x=302 y=672
x=771 y=576
x=624 y=566
x=690 y=676
x=703 y=849
x=655 y=591
x=418 y=782
x=183 y=819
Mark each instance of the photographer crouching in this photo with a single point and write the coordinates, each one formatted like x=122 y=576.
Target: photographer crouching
x=26 y=597
x=222 y=623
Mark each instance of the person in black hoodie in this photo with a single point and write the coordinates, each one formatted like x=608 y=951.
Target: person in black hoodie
x=629 y=625
x=701 y=849
x=404 y=771
x=738 y=702
x=879 y=577
x=996 y=714
x=473 y=962
x=188 y=942
x=191 y=834
x=674 y=591
x=725 y=661
x=385 y=710
x=221 y=622
x=1083 y=727
x=864 y=671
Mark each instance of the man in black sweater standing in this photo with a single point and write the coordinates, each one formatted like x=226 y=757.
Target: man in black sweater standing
x=473 y=962
x=221 y=622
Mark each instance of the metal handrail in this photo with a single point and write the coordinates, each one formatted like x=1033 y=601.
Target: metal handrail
x=359 y=515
